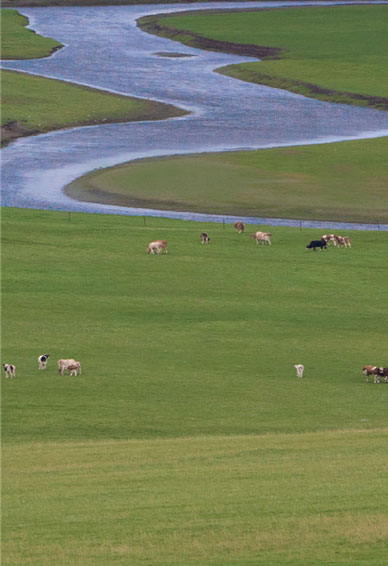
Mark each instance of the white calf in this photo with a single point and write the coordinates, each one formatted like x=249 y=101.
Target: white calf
x=299 y=370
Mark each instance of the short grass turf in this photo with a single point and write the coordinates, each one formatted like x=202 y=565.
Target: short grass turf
x=293 y=499
x=32 y=104
x=188 y=439
x=344 y=181
x=338 y=48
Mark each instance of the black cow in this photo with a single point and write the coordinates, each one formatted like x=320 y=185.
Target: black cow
x=205 y=238
x=314 y=244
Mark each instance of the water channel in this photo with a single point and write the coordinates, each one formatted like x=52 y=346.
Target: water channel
x=105 y=49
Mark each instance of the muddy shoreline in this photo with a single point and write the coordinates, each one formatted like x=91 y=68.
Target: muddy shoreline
x=63 y=3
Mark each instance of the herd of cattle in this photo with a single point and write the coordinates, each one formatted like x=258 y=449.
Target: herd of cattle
x=70 y=365
x=158 y=246
x=73 y=367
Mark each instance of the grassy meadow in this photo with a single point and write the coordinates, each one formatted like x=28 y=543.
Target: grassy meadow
x=32 y=104
x=335 y=53
x=344 y=181
x=188 y=439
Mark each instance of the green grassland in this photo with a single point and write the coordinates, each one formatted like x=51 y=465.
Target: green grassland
x=344 y=181
x=32 y=104
x=19 y=42
x=188 y=439
x=332 y=53
x=226 y=501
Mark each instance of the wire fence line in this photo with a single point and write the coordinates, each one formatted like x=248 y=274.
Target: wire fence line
x=254 y=220
x=216 y=218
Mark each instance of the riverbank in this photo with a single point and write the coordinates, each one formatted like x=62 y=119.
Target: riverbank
x=43 y=3
x=54 y=105
x=34 y=105
x=337 y=182
x=320 y=53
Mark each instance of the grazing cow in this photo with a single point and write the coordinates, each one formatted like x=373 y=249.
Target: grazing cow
x=240 y=226
x=299 y=370
x=340 y=242
x=317 y=244
x=158 y=246
x=329 y=238
x=10 y=370
x=64 y=364
x=205 y=238
x=262 y=237
x=73 y=369
x=372 y=370
x=42 y=361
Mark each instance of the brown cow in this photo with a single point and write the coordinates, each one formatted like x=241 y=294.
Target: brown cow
x=240 y=226
x=372 y=370
x=73 y=369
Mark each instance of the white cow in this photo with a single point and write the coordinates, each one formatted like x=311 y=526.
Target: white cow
x=64 y=364
x=299 y=370
x=158 y=246
x=262 y=237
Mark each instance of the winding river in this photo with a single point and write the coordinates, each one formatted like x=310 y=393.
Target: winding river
x=105 y=49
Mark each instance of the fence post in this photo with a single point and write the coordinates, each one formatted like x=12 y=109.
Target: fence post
x=144 y=218
x=223 y=223
x=69 y=215
x=300 y=226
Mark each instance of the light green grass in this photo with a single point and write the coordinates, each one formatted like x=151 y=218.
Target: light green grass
x=341 y=48
x=188 y=439
x=344 y=181
x=32 y=104
x=243 y=500
x=201 y=341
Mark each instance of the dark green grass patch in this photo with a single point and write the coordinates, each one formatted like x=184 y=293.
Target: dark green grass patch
x=196 y=342
x=344 y=181
x=226 y=501
x=332 y=53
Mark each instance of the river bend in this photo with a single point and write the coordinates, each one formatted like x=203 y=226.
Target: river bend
x=105 y=49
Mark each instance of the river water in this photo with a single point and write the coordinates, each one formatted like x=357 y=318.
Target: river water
x=105 y=49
